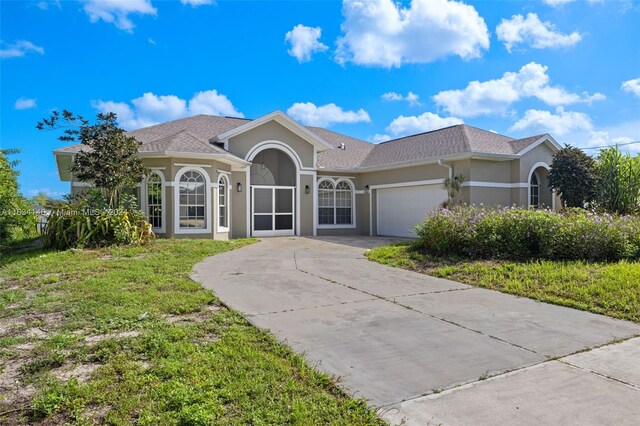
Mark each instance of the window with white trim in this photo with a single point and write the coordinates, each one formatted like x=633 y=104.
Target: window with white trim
x=155 y=201
x=335 y=203
x=192 y=187
x=534 y=194
x=223 y=220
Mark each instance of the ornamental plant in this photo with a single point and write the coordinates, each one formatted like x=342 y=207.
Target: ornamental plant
x=510 y=232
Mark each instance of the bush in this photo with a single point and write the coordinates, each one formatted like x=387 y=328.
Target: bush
x=511 y=232
x=17 y=219
x=88 y=222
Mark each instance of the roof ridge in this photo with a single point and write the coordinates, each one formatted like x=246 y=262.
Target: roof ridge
x=486 y=131
x=465 y=137
x=417 y=134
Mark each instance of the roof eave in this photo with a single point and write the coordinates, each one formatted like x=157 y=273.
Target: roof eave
x=224 y=158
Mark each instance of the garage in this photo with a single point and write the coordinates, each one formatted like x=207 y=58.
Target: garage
x=399 y=209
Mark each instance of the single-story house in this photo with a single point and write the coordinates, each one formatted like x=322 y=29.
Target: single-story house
x=222 y=177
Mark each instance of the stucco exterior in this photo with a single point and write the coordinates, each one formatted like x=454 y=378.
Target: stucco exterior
x=258 y=156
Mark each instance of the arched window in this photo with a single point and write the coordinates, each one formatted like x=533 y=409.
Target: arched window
x=335 y=203
x=155 y=202
x=193 y=199
x=534 y=197
x=223 y=219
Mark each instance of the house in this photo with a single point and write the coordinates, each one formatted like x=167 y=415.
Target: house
x=221 y=177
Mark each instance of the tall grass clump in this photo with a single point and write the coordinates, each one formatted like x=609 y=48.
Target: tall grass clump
x=88 y=221
x=479 y=232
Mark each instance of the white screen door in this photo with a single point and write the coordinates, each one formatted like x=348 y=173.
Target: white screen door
x=272 y=210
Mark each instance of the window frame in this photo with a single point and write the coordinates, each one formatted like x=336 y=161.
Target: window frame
x=207 y=202
x=223 y=182
x=335 y=182
x=534 y=194
x=163 y=201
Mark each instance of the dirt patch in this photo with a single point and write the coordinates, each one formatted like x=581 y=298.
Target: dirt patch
x=199 y=316
x=97 y=412
x=101 y=337
x=112 y=257
x=13 y=389
x=82 y=372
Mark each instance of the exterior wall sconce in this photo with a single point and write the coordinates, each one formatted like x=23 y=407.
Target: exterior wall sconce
x=366 y=188
x=239 y=187
x=307 y=189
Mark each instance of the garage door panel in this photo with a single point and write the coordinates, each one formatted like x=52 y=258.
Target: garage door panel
x=399 y=209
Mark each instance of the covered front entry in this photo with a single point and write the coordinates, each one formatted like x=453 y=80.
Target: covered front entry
x=273 y=210
x=273 y=194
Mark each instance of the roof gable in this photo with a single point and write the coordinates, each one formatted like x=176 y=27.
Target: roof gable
x=282 y=119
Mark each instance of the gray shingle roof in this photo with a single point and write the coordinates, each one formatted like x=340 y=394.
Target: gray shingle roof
x=192 y=134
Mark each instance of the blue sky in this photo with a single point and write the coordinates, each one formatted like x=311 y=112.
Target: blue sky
x=371 y=69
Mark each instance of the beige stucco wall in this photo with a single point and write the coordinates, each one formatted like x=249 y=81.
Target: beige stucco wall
x=272 y=131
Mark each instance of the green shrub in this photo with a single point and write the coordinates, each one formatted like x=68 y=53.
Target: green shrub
x=519 y=233
x=17 y=218
x=88 y=222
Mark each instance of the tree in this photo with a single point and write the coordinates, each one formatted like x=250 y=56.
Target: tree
x=573 y=176
x=109 y=157
x=17 y=219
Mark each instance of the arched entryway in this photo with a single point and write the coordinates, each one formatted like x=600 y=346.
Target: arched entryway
x=273 y=180
x=539 y=193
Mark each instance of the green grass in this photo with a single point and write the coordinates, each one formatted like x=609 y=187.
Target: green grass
x=611 y=289
x=123 y=336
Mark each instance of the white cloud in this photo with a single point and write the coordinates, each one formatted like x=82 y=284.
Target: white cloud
x=18 y=49
x=557 y=3
x=25 y=103
x=410 y=125
x=386 y=34
x=325 y=115
x=530 y=30
x=496 y=96
x=151 y=41
x=304 y=42
x=560 y=123
x=411 y=98
x=118 y=11
x=48 y=192
x=196 y=3
x=150 y=109
x=44 y=5
x=632 y=86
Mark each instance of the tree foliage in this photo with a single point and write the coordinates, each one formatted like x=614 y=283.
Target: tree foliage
x=573 y=176
x=109 y=157
x=17 y=220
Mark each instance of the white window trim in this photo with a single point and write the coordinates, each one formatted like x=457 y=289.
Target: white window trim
x=531 y=171
x=176 y=203
x=227 y=177
x=145 y=201
x=335 y=182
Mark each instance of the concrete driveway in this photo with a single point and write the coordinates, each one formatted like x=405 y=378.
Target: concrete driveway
x=427 y=350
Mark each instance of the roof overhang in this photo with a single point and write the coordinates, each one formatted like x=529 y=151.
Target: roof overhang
x=425 y=161
x=282 y=119
x=64 y=159
x=230 y=159
x=546 y=138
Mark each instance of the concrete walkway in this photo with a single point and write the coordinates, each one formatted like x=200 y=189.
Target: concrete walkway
x=427 y=350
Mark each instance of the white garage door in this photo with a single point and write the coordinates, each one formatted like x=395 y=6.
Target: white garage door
x=399 y=209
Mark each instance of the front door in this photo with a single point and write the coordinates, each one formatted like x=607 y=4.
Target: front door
x=272 y=210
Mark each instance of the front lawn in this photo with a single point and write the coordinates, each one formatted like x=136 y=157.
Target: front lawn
x=123 y=336
x=611 y=289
